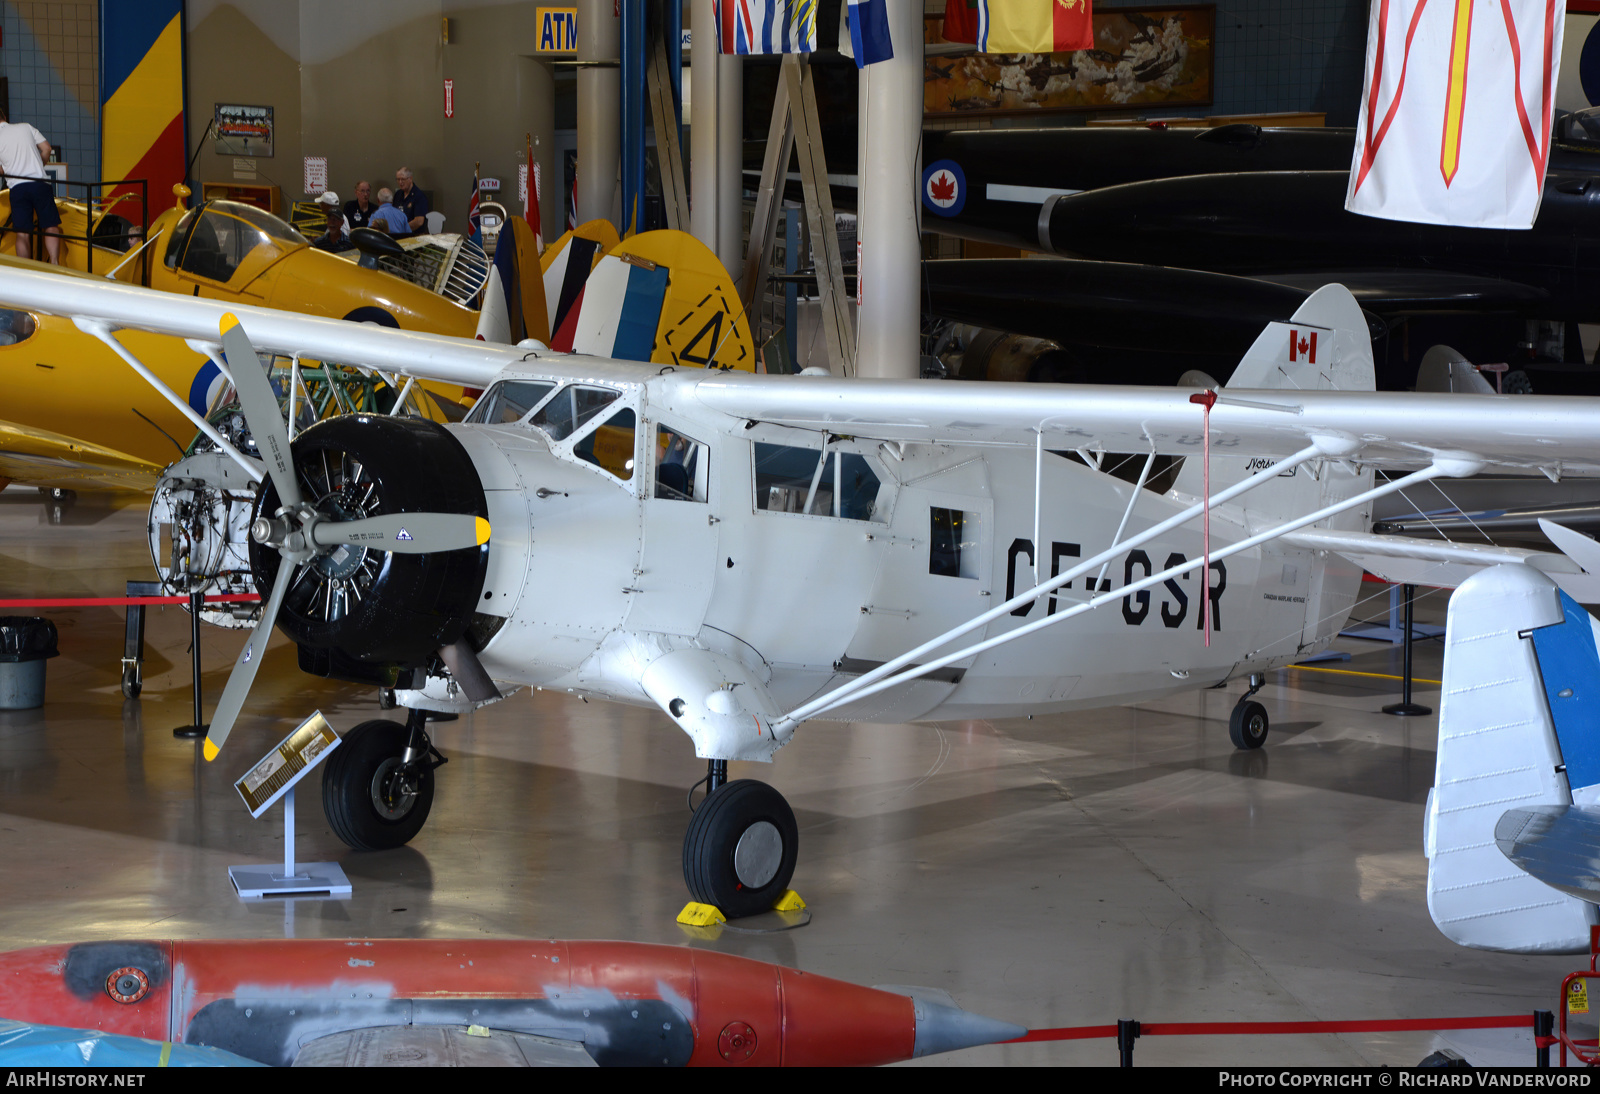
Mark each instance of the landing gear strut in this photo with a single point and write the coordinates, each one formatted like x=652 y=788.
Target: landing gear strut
x=740 y=850
x=377 y=787
x=1247 y=727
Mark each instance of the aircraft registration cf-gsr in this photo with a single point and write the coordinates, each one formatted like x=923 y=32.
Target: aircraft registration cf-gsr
x=749 y=552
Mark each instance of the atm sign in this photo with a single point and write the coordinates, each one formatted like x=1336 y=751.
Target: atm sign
x=558 y=30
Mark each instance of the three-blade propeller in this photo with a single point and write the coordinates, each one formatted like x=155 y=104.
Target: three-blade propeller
x=299 y=531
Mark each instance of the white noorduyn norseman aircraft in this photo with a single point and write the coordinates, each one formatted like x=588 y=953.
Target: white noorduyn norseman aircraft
x=750 y=552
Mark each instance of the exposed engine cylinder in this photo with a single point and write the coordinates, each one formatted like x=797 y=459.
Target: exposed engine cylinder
x=369 y=611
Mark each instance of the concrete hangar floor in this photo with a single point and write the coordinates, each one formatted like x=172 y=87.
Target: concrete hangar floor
x=1072 y=870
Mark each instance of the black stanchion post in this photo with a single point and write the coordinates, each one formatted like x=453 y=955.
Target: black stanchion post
x=1127 y=1034
x=197 y=728
x=1544 y=1025
x=1405 y=707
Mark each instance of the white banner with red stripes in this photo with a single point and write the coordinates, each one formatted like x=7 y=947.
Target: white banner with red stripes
x=1456 y=111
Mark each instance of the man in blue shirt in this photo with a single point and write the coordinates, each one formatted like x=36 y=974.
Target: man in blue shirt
x=411 y=201
x=388 y=218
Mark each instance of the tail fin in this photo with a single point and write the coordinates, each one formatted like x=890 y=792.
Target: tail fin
x=513 y=302
x=1519 y=745
x=1325 y=347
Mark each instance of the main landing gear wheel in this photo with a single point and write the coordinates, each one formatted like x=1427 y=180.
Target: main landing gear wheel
x=372 y=800
x=1248 y=725
x=740 y=849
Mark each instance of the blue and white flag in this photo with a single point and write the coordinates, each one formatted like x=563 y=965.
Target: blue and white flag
x=766 y=26
x=869 y=32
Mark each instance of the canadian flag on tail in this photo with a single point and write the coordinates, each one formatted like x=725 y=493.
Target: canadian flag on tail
x=1456 y=110
x=1303 y=345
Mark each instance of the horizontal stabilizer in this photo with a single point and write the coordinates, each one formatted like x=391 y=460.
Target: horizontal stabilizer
x=1501 y=747
x=1558 y=844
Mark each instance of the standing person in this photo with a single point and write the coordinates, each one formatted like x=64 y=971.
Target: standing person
x=23 y=150
x=359 y=209
x=411 y=201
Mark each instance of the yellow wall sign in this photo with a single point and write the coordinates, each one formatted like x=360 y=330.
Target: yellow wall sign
x=1578 y=997
x=558 y=30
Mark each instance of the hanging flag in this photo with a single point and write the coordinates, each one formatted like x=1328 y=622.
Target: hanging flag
x=960 y=21
x=766 y=26
x=474 y=225
x=1455 y=112
x=1035 y=26
x=530 y=200
x=869 y=32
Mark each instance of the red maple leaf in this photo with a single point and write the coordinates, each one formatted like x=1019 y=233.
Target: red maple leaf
x=943 y=187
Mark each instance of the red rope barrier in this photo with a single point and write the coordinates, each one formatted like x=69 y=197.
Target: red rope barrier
x=119 y=601
x=1186 y=1029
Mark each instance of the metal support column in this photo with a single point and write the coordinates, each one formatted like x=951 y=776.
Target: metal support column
x=703 y=175
x=664 y=117
x=632 y=53
x=730 y=161
x=889 y=320
x=599 y=113
x=836 y=325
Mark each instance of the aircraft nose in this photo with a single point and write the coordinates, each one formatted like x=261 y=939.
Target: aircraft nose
x=942 y=1028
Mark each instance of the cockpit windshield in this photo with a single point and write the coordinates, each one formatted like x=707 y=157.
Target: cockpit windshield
x=212 y=240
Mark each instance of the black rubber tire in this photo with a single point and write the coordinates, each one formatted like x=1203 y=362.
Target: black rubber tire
x=1248 y=725
x=347 y=788
x=131 y=684
x=713 y=837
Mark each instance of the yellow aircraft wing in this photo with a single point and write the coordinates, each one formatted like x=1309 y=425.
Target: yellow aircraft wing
x=42 y=458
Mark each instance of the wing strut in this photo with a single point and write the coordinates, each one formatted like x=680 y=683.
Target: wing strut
x=103 y=331
x=880 y=679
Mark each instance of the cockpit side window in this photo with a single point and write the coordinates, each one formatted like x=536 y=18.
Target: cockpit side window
x=180 y=237
x=683 y=466
x=16 y=326
x=1581 y=127
x=571 y=408
x=219 y=243
x=509 y=401
x=609 y=446
x=818 y=482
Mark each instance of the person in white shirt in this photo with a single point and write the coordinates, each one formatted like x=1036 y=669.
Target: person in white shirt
x=22 y=154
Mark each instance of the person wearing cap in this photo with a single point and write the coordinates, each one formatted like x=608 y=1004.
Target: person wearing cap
x=337 y=236
x=359 y=209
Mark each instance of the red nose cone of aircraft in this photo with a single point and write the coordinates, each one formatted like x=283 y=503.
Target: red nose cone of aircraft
x=620 y=1002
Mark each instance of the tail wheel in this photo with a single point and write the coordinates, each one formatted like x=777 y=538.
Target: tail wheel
x=372 y=801
x=740 y=850
x=1248 y=725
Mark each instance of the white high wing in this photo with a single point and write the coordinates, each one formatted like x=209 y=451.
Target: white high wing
x=750 y=552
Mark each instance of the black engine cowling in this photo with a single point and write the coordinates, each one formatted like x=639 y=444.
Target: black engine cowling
x=362 y=613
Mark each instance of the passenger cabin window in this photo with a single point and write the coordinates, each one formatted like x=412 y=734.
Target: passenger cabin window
x=572 y=408
x=509 y=401
x=955 y=543
x=610 y=446
x=683 y=466
x=815 y=482
x=16 y=326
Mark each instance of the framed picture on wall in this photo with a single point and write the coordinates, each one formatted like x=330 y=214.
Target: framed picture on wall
x=242 y=130
x=1143 y=57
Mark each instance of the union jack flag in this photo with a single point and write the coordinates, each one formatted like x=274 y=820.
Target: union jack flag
x=474 y=224
x=766 y=26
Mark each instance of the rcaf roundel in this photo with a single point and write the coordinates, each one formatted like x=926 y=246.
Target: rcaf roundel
x=944 y=188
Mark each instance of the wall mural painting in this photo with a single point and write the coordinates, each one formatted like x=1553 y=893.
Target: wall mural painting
x=1142 y=57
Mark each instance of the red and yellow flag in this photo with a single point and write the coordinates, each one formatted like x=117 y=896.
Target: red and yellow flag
x=1034 y=26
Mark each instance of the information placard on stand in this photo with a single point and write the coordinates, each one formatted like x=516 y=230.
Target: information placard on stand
x=274 y=777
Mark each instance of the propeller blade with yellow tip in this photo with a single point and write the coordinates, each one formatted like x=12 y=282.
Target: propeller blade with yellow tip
x=244 y=669
x=407 y=533
x=259 y=403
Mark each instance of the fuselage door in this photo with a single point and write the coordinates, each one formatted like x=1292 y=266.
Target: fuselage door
x=679 y=553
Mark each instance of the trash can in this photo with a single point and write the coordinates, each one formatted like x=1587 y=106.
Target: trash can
x=25 y=644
